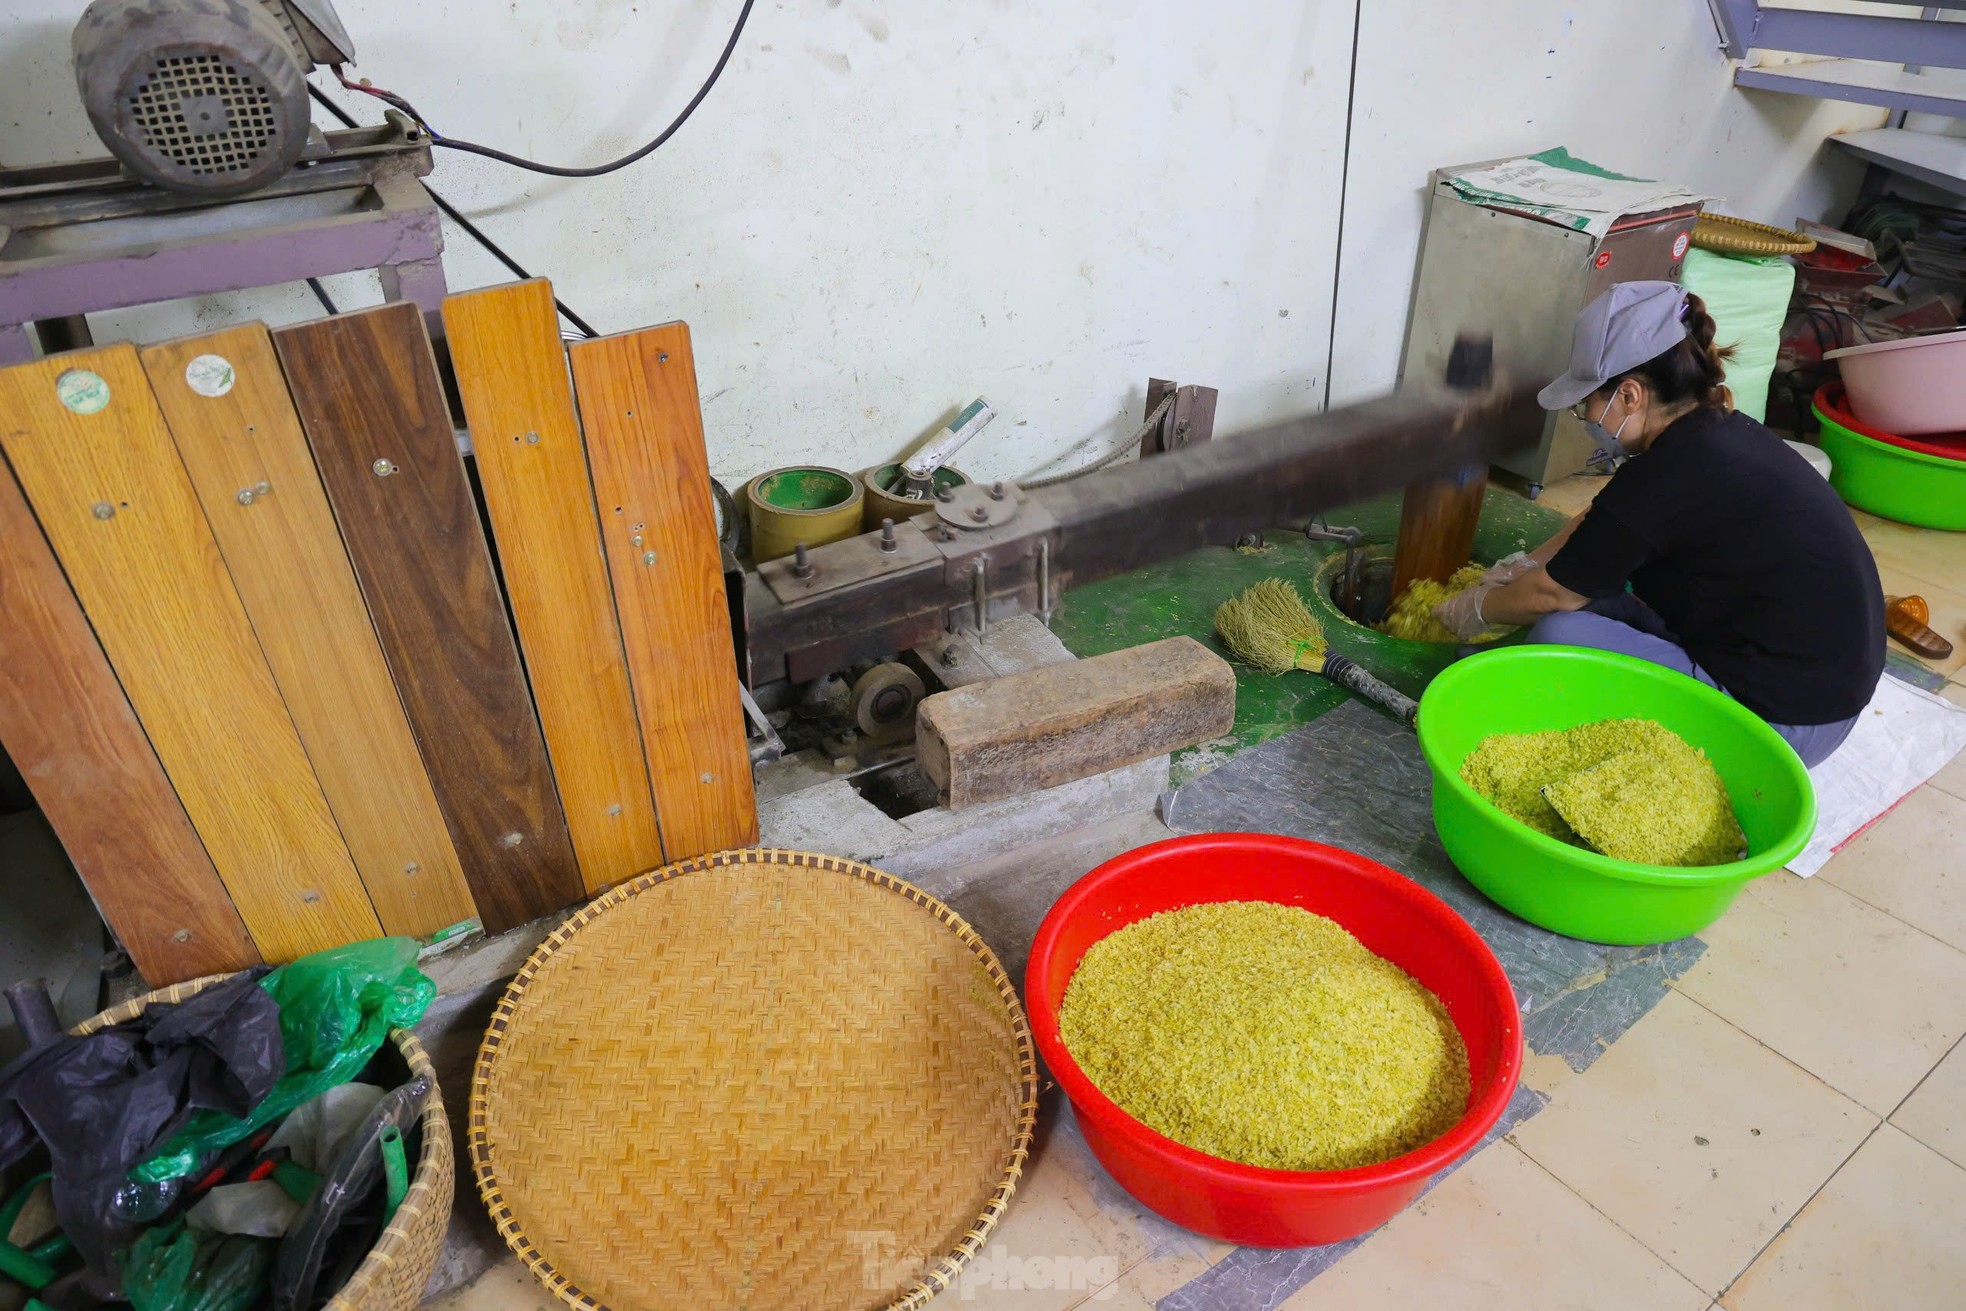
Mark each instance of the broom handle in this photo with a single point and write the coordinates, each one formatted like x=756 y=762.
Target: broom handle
x=1346 y=674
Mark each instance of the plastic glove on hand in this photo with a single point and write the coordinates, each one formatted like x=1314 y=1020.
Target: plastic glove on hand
x=1461 y=614
x=1509 y=568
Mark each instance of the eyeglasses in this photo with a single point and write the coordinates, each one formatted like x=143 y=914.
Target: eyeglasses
x=1577 y=412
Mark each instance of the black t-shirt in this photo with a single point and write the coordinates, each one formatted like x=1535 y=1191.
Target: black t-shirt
x=1749 y=557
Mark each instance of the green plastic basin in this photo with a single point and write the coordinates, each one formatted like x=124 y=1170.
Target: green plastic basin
x=1566 y=889
x=1892 y=481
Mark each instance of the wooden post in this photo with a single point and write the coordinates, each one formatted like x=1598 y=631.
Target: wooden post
x=1438 y=517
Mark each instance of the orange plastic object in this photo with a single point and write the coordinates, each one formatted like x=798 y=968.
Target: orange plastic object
x=1907 y=618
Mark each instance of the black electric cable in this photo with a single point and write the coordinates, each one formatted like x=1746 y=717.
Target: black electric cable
x=321 y=294
x=555 y=170
x=450 y=211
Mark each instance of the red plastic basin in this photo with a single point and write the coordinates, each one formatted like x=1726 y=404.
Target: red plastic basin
x=1390 y=914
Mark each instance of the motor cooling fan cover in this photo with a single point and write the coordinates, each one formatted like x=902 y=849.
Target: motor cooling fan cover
x=205 y=96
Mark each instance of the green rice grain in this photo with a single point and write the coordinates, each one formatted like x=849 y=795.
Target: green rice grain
x=1267 y=1035
x=1629 y=788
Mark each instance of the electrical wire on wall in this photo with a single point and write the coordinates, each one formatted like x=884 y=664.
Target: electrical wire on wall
x=584 y=329
x=559 y=171
x=402 y=105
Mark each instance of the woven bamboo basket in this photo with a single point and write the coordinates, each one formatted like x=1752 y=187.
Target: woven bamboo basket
x=762 y=1079
x=397 y=1269
x=1734 y=236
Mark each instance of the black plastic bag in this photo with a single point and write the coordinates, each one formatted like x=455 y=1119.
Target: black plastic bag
x=104 y=1102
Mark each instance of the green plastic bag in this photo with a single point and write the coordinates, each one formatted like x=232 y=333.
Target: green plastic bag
x=1748 y=297
x=336 y=1007
x=172 y=1268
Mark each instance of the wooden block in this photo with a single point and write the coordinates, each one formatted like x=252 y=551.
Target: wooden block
x=228 y=408
x=512 y=372
x=652 y=479
x=71 y=733
x=1068 y=721
x=90 y=448
x=366 y=387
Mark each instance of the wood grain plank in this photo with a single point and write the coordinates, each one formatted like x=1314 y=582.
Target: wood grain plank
x=227 y=405
x=71 y=733
x=638 y=402
x=366 y=387
x=512 y=372
x=105 y=482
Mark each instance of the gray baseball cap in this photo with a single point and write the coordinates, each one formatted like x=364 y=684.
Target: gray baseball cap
x=1622 y=329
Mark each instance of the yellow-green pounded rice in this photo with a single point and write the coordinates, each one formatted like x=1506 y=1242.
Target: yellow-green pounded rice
x=1629 y=788
x=1411 y=614
x=1265 y=1034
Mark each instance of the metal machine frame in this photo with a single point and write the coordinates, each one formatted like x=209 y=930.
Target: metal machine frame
x=84 y=237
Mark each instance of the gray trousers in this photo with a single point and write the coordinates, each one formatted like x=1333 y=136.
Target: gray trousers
x=1627 y=625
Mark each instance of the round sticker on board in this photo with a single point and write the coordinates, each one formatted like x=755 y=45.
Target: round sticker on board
x=1680 y=243
x=1603 y=258
x=82 y=391
x=209 y=375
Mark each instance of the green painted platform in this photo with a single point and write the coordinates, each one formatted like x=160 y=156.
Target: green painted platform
x=1179 y=596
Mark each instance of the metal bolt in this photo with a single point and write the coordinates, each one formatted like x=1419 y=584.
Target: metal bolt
x=512 y=839
x=948 y=533
x=801 y=566
x=951 y=656
x=636 y=540
x=246 y=496
x=996 y=491
x=532 y=439
x=706 y=779
x=412 y=868
x=103 y=510
x=310 y=896
x=182 y=935
x=888 y=544
x=648 y=557
x=979 y=513
x=945 y=494
x=614 y=811
x=662 y=357
x=382 y=468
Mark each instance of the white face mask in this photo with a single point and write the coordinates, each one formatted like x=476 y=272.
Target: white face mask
x=1609 y=449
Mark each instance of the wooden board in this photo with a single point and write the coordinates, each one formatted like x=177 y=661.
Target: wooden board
x=70 y=731
x=228 y=408
x=652 y=483
x=1070 y=720
x=365 y=385
x=512 y=373
x=104 y=480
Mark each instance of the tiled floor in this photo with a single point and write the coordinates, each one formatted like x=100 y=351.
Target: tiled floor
x=1786 y=1130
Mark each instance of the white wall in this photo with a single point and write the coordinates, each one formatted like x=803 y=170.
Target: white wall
x=885 y=209
x=1638 y=86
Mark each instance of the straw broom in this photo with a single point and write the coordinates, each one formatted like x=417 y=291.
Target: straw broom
x=1267 y=625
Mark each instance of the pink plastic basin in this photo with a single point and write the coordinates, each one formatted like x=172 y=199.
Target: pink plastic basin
x=1910 y=387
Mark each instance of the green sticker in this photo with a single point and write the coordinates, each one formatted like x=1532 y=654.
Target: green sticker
x=82 y=391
